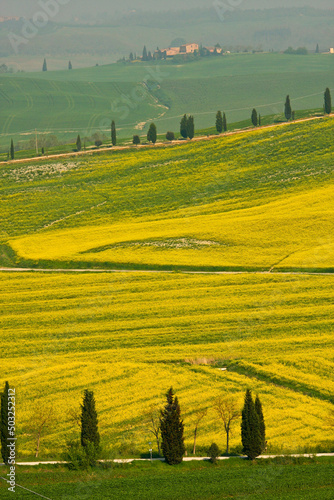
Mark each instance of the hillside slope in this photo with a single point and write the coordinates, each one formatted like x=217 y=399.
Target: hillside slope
x=260 y=200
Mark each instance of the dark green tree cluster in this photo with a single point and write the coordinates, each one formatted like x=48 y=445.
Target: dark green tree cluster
x=152 y=133
x=221 y=123
x=171 y=428
x=136 y=140
x=187 y=127
x=252 y=427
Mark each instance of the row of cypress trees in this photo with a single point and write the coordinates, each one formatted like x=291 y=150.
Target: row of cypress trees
x=187 y=125
x=171 y=428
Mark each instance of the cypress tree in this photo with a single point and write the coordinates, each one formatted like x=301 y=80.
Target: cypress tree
x=45 y=67
x=183 y=127
x=190 y=127
x=78 y=143
x=219 y=122
x=152 y=133
x=171 y=427
x=317 y=50
x=224 y=123
x=12 y=151
x=328 y=102
x=250 y=431
x=69 y=65
x=113 y=133
x=131 y=56
x=254 y=117
x=89 y=424
x=287 y=108
x=136 y=140
x=262 y=426
x=4 y=424
x=144 y=53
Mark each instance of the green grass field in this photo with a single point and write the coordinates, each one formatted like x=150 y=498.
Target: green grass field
x=285 y=479
x=84 y=101
x=260 y=200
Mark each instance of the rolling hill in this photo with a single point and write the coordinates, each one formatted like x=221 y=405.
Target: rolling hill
x=258 y=201
x=84 y=101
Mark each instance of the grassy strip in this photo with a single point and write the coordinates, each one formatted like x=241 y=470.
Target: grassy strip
x=276 y=479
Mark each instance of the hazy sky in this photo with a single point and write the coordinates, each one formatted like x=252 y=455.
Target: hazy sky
x=70 y=7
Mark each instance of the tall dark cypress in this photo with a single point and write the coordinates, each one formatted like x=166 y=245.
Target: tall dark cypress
x=144 y=53
x=254 y=117
x=45 y=67
x=12 y=151
x=224 y=123
x=4 y=424
x=328 y=102
x=219 y=122
x=171 y=427
x=183 y=127
x=262 y=426
x=250 y=429
x=78 y=143
x=287 y=108
x=190 y=127
x=113 y=133
x=89 y=423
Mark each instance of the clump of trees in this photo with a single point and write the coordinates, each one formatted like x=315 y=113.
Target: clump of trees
x=221 y=123
x=187 y=127
x=252 y=427
x=170 y=136
x=301 y=51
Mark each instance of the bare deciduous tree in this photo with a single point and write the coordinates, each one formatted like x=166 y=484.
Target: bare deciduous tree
x=41 y=419
x=152 y=423
x=227 y=411
x=200 y=414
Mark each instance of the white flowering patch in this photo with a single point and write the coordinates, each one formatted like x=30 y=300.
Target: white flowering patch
x=34 y=172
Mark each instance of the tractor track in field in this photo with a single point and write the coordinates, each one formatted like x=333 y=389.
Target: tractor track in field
x=159 y=144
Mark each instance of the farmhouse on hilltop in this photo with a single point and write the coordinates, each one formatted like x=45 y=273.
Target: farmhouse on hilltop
x=188 y=48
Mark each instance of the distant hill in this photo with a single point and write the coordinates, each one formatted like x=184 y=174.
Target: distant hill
x=112 y=37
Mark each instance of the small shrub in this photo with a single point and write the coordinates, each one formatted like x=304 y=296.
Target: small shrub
x=213 y=453
x=136 y=140
x=170 y=136
x=98 y=143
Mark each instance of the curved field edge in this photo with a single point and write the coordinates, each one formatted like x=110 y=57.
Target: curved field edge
x=259 y=201
x=129 y=337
